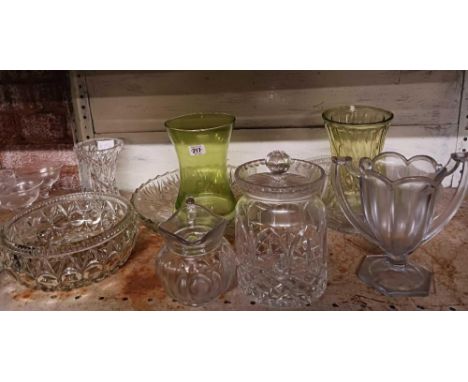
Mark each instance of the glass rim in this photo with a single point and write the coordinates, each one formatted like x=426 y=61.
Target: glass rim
x=389 y=115
x=220 y=223
x=306 y=188
x=407 y=161
x=75 y=248
x=37 y=168
x=119 y=143
x=33 y=183
x=230 y=119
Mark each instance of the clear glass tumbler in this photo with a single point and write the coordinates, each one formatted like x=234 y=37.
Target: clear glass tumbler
x=98 y=164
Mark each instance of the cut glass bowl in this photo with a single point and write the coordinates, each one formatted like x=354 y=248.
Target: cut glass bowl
x=69 y=241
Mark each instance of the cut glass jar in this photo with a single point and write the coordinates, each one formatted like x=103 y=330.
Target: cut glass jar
x=281 y=241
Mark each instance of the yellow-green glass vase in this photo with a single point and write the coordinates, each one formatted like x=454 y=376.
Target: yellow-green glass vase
x=201 y=141
x=355 y=131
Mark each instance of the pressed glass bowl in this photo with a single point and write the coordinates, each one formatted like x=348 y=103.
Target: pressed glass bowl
x=69 y=241
x=155 y=199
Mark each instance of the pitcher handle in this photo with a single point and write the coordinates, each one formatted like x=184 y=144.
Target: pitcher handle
x=357 y=222
x=442 y=220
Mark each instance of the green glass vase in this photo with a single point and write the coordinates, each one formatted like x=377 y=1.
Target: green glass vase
x=201 y=141
x=355 y=131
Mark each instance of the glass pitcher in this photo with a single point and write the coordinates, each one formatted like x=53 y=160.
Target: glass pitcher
x=201 y=141
x=196 y=263
x=357 y=132
x=398 y=197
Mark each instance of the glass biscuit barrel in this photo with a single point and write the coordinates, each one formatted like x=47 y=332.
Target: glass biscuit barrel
x=281 y=241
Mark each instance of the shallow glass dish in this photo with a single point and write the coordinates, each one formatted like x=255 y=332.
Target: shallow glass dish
x=69 y=241
x=155 y=200
x=20 y=194
x=49 y=173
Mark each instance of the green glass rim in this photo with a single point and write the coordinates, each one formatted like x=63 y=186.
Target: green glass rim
x=387 y=115
x=222 y=119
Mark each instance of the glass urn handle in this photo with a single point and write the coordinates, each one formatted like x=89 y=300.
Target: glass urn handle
x=278 y=162
x=353 y=218
x=456 y=159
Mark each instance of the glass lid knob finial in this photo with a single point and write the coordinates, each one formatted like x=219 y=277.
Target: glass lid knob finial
x=278 y=162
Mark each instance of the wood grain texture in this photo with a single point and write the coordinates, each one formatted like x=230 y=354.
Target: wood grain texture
x=274 y=109
x=142 y=101
x=140 y=161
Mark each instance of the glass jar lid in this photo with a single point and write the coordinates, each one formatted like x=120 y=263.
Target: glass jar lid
x=280 y=177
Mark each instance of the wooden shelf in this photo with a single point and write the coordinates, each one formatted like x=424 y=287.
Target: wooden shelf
x=136 y=287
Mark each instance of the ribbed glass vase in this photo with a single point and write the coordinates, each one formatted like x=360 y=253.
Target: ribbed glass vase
x=355 y=131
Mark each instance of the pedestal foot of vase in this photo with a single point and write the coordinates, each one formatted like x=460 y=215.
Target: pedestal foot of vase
x=408 y=280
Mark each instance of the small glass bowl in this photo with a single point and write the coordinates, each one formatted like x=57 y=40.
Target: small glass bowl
x=69 y=241
x=21 y=194
x=49 y=173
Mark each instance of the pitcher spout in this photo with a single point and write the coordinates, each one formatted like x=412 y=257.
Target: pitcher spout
x=193 y=227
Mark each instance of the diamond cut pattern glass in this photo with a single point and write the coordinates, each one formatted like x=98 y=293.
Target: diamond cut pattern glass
x=280 y=228
x=98 y=164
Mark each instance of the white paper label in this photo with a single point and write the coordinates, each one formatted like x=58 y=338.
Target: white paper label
x=197 y=150
x=104 y=145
